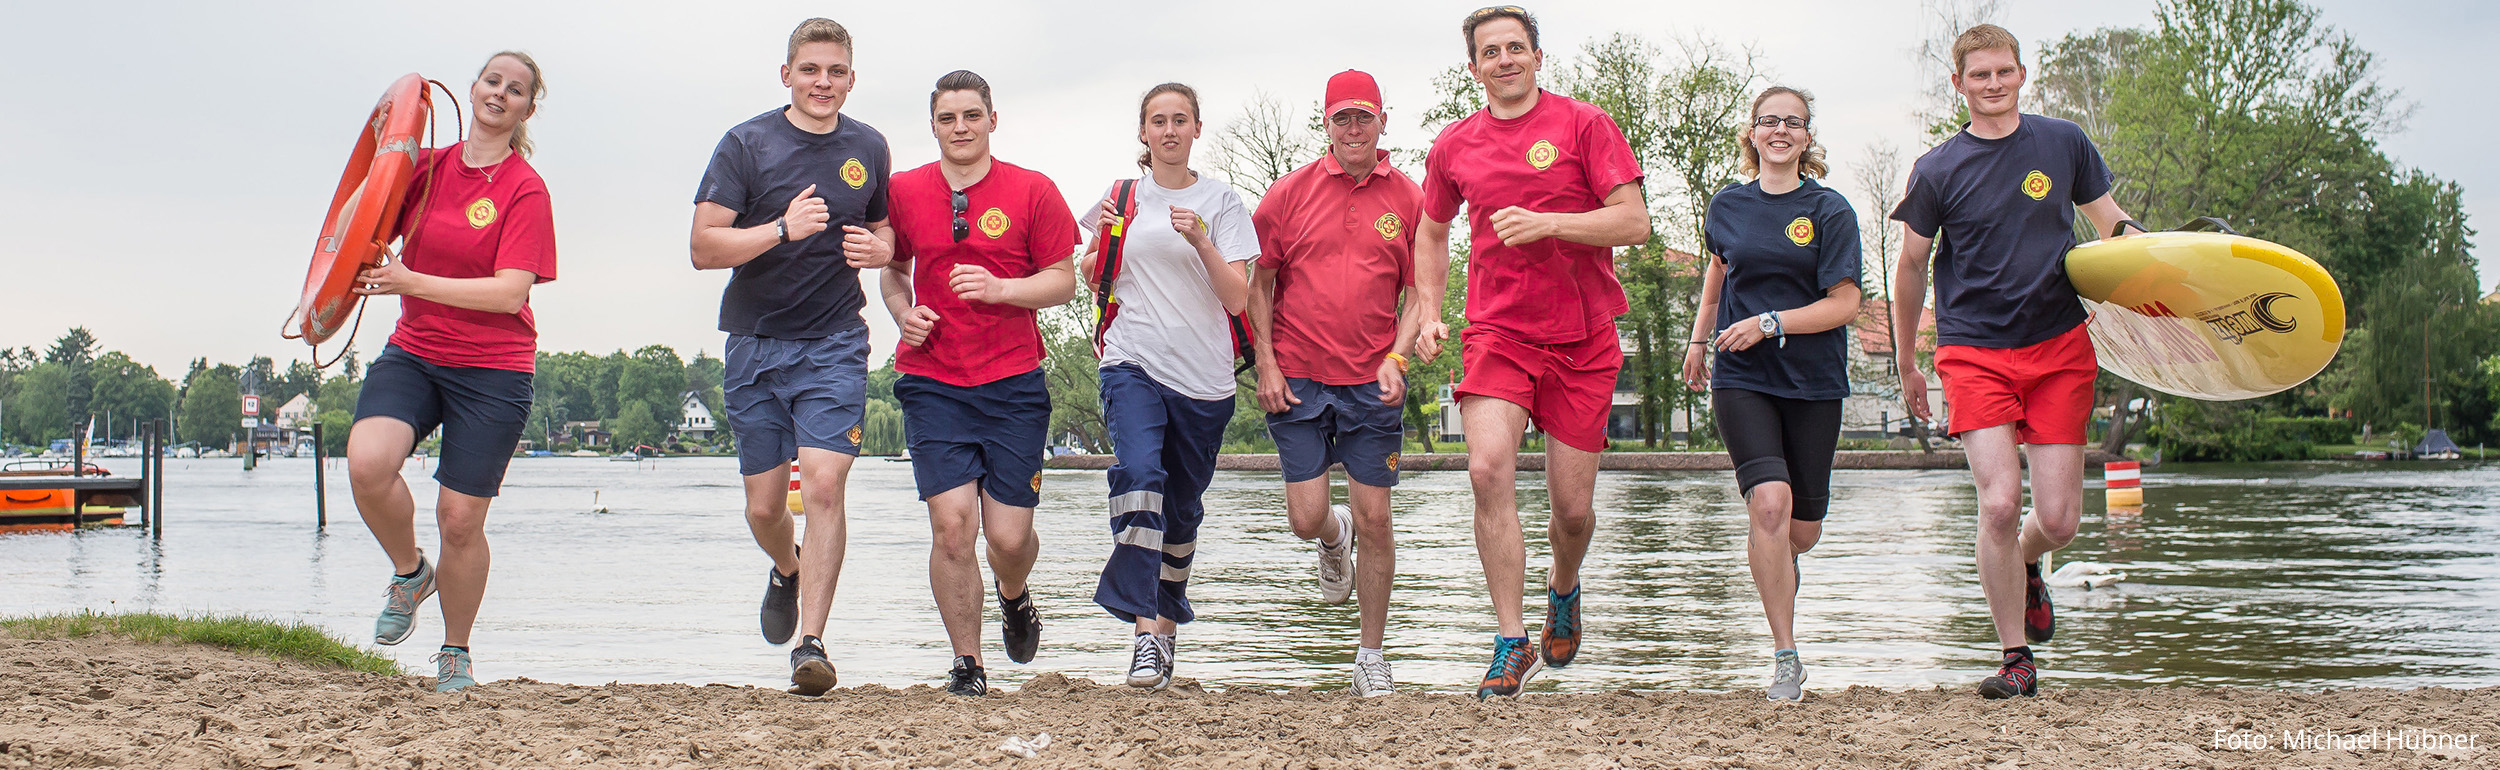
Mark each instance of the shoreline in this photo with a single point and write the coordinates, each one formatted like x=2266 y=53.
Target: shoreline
x=1852 y=459
x=100 y=701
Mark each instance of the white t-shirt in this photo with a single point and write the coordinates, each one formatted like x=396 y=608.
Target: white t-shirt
x=1171 y=324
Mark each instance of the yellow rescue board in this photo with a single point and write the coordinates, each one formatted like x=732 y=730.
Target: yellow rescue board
x=2208 y=315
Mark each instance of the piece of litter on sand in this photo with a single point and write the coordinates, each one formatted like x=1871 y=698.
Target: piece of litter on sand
x=1025 y=748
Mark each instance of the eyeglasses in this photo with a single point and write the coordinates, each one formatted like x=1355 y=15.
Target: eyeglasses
x=1773 y=121
x=1352 y=118
x=963 y=227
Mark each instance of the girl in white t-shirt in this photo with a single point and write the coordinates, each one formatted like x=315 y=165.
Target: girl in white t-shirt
x=1167 y=372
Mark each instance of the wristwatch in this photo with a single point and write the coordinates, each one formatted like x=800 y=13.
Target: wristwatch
x=781 y=229
x=1771 y=327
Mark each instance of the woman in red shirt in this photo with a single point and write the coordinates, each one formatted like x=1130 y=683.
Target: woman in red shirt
x=479 y=234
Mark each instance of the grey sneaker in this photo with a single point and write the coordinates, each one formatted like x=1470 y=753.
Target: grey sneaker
x=1150 y=663
x=452 y=670
x=399 y=605
x=810 y=673
x=1336 y=564
x=1371 y=677
x=1788 y=677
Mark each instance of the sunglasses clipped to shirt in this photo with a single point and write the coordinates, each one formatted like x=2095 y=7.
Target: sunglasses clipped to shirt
x=963 y=227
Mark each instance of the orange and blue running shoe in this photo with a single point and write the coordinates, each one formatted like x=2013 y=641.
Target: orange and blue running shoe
x=1561 y=641
x=1515 y=662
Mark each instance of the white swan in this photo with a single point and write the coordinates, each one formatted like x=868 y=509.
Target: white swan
x=2086 y=574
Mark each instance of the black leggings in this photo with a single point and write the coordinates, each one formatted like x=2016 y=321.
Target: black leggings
x=1781 y=439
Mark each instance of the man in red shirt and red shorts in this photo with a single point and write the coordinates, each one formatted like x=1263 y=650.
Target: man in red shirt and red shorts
x=1551 y=187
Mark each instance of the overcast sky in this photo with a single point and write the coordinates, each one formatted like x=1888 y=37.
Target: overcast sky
x=169 y=163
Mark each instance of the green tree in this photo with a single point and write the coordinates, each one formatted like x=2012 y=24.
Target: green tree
x=1073 y=375
x=39 y=411
x=637 y=426
x=881 y=429
x=127 y=390
x=212 y=405
x=75 y=353
x=654 y=377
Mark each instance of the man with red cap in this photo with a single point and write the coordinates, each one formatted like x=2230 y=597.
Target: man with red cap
x=1335 y=310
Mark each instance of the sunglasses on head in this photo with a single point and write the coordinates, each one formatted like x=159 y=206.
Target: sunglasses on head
x=963 y=227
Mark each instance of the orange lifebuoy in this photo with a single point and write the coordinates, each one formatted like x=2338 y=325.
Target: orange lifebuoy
x=365 y=212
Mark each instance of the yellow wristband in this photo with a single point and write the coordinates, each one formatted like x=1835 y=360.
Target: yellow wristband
x=1401 y=362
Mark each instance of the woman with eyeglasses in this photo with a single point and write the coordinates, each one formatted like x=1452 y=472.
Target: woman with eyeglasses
x=1167 y=370
x=1771 y=342
x=980 y=245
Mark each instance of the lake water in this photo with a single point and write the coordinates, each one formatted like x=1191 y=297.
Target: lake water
x=2295 y=575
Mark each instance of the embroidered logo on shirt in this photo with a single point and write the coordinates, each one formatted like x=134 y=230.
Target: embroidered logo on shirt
x=481 y=214
x=854 y=174
x=1801 y=232
x=1393 y=462
x=994 y=222
x=2036 y=185
x=1542 y=154
x=1388 y=225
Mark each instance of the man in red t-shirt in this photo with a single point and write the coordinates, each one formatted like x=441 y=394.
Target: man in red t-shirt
x=1551 y=187
x=982 y=244
x=1336 y=248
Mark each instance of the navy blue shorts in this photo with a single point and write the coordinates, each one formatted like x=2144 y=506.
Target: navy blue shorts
x=1338 y=424
x=991 y=433
x=480 y=411
x=786 y=394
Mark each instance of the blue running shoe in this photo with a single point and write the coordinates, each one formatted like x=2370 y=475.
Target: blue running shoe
x=399 y=604
x=452 y=671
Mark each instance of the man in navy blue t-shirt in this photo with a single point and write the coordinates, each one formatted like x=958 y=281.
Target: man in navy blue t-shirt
x=794 y=204
x=1997 y=202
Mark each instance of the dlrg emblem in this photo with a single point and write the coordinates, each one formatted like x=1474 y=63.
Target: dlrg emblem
x=2036 y=185
x=854 y=174
x=1542 y=154
x=1801 y=232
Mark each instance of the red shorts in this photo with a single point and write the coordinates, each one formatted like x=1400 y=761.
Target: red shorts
x=2045 y=389
x=1568 y=388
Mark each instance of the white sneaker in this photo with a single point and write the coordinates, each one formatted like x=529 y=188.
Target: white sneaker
x=1150 y=663
x=1336 y=564
x=1371 y=677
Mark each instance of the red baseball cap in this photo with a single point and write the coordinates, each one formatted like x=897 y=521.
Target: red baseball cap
x=1353 y=89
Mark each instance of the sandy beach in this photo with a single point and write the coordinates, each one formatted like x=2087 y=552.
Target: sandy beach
x=103 y=702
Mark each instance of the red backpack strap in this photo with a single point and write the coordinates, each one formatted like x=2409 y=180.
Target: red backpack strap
x=1109 y=248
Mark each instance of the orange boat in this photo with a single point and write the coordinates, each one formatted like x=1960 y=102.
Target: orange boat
x=54 y=510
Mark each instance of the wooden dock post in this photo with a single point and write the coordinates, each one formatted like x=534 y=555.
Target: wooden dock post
x=321 y=487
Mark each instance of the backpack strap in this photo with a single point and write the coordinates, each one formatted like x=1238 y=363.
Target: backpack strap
x=1111 y=242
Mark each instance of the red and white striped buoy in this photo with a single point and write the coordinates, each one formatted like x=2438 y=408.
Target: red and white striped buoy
x=2124 y=483
x=794 y=489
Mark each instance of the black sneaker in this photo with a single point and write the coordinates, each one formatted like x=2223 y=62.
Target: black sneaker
x=967 y=679
x=781 y=605
x=810 y=673
x=1020 y=626
x=2017 y=677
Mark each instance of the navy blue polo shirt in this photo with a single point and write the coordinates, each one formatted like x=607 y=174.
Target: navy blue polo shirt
x=1783 y=252
x=2002 y=212
x=803 y=289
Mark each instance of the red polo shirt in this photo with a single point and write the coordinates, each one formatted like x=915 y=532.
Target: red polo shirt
x=474 y=222
x=1563 y=156
x=1019 y=224
x=1342 y=248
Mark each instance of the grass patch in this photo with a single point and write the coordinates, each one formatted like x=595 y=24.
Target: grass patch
x=293 y=641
